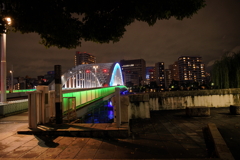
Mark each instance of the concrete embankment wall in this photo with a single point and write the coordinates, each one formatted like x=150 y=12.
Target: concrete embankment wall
x=133 y=107
x=182 y=99
x=140 y=105
x=13 y=106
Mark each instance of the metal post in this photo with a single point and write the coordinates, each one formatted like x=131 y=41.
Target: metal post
x=81 y=80
x=3 y=68
x=70 y=82
x=74 y=82
x=77 y=82
x=96 y=76
x=95 y=67
x=11 y=91
x=58 y=94
x=91 y=81
x=12 y=81
x=84 y=79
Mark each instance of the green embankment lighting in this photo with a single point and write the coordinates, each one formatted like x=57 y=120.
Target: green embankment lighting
x=86 y=97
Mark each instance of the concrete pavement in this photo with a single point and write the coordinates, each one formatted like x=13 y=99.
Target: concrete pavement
x=166 y=135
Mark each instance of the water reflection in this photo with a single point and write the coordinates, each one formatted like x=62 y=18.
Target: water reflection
x=101 y=113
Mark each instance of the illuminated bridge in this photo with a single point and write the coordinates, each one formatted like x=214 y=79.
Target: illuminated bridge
x=85 y=84
x=92 y=76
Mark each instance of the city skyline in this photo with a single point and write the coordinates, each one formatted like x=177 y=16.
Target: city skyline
x=209 y=33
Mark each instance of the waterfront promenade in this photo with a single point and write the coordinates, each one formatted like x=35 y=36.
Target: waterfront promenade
x=166 y=135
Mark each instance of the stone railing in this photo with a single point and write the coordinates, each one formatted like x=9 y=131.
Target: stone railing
x=12 y=107
x=140 y=105
x=182 y=99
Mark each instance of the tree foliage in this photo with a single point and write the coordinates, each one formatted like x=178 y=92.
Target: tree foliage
x=226 y=71
x=65 y=23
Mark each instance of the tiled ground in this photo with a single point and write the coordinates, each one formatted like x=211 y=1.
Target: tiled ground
x=166 y=135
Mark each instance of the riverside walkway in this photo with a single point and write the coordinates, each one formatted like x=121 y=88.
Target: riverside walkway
x=166 y=135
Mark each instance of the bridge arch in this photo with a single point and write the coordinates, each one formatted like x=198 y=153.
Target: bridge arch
x=91 y=76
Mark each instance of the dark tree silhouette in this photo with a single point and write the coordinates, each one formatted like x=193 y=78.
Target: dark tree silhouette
x=65 y=23
x=226 y=71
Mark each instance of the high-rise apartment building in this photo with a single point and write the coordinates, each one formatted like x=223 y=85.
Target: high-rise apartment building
x=168 y=77
x=191 y=69
x=150 y=74
x=159 y=74
x=174 y=71
x=84 y=58
x=134 y=71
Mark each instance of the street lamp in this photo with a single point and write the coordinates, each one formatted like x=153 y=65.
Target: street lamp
x=3 y=62
x=9 y=21
x=11 y=91
x=95 y=67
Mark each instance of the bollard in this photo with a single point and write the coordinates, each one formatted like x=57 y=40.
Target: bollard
x=32 y=112
x=58 y=94
x=43 y=110
x=118 y=107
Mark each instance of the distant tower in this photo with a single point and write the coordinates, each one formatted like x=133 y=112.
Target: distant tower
x=191 y=69
x=160 y=77
x=134 y=71
x=168 y=77
x=150 y=74
x=174 y=71
x=84 y=58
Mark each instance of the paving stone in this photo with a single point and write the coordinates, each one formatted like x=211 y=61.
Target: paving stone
x=35 y=152
x=72 y=150
x=18 y=152
x=106 y=151
x=86 y=154
x=166 y=135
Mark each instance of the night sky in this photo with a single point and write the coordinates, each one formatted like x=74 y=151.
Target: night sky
x=210 y=33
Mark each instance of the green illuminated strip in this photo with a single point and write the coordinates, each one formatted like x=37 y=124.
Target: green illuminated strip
x=28 y=90
x=22 y=90
x=86 y=97
x=82 y=97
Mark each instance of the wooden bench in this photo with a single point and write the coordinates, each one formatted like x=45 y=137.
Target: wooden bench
x=197 y=111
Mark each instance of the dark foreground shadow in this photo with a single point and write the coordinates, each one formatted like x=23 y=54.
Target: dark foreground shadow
x=46 y=141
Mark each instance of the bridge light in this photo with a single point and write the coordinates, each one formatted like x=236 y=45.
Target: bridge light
x=87 y=71
x=104 y=70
